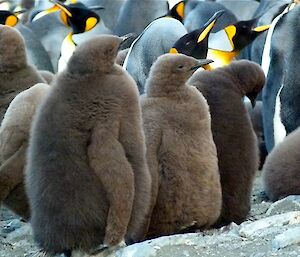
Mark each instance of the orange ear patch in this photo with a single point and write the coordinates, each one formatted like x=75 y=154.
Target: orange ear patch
x=11 y=20
x=90 y=23
x=180 y=9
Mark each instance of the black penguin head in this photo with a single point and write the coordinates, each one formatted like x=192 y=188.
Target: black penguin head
x=243 y=33
x=177 y=11
x=77 y=16
x=12 y=49
x=195 y=43
x=8 y=18
x=96 y=55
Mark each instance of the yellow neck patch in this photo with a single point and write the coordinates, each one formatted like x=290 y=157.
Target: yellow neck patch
x=173 y=51
x=90 y=23
x=180 y=9
x=64 y=18
x=231 y=31
x=11 y=20
x=206 y=31
x=220 y=58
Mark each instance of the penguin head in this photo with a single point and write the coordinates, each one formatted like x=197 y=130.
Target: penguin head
x=12 y=49
x=250 y=76
x=177 y=11
x=78 y=16
x=195 y=43
x=171 y=71
x=226 y=44
x=243 y=33
x=96 y=55
x=8 y=18
x=75 y=15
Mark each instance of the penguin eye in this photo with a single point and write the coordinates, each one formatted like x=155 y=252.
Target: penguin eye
x=180 y=67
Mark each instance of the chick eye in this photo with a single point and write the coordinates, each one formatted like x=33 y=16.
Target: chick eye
x=180 y=66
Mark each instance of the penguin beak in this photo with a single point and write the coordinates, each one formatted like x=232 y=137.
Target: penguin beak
x=261 y=28
x=252 y=97
x=59 y=6
x=209 y=25
x=127 y=36
x=95 y=8
x=201 y=63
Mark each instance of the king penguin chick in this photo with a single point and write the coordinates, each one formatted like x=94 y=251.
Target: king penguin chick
x=88 y=182
x=256 y=118
x=14 y=137
x=16 y=74
x=181 y=154
x=224 y=89
x=281 y=174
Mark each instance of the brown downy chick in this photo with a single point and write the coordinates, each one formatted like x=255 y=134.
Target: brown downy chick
x=88 y=182
x=281 y=171
x=14 y=137
x=16 y=74
x=181 y=154
x=224 y=89
x=257 y=124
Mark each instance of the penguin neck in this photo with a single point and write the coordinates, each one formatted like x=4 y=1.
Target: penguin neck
x=221 y=58
x=67 y=49
x=160 y=86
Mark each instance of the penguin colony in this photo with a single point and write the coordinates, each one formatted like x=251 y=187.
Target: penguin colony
x=92 y=164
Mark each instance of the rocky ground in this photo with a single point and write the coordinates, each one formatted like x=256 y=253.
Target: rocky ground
x=272 y=229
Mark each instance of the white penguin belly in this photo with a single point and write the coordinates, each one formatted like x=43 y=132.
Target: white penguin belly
x=279 y=129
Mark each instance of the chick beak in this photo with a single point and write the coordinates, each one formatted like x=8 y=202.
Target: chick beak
x=126 y=37
x=201 y=63
x=252 y=97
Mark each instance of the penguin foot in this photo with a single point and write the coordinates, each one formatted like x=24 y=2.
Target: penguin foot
x=106 y=250
x=41 y=253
